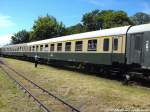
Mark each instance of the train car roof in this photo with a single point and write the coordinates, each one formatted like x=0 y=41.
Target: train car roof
x=139 y=28
x=105 y=32
x=15 y=45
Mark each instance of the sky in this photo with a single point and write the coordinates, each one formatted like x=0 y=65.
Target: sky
x=16 y=15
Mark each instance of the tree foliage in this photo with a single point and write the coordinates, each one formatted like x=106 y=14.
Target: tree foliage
x=78 y=28
x=20 y=37
x=98 y=19
x=92 y=20
x=47 y=27
x=140 y=18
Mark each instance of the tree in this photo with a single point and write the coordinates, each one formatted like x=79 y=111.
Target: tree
x=140 y=18
x=92 y=20
x=120 y=18
x=20 y=37
x=47 y=27
x=97 y=19
x=78 y=28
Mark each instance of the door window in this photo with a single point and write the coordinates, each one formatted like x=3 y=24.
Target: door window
x=106 y=44
x=115 y=47
x=138 y=42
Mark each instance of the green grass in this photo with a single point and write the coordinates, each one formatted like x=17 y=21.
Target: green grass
x=86 y=92
x=12 y=99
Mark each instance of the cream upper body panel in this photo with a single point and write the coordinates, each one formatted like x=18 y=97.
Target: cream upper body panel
x=98 y=35
x=93 y=34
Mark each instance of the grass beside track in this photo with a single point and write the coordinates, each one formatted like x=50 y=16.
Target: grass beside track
x=12 y=99
x=86 y=92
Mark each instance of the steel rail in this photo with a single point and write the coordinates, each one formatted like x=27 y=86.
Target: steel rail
x=44 y=90
x=42 y=106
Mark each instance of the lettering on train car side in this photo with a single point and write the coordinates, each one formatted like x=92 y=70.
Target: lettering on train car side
x=147 y=46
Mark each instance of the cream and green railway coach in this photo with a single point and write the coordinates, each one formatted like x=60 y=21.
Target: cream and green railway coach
x=128 y=45
x=99 y=47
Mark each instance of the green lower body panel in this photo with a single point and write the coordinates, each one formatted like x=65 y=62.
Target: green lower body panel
x=93 y=58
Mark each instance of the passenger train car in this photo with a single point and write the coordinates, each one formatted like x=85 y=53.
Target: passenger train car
x=126 y=48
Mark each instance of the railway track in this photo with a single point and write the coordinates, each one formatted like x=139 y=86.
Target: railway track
x=47 y=101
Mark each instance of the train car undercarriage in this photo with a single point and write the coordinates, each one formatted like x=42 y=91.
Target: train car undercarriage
x=122 y=72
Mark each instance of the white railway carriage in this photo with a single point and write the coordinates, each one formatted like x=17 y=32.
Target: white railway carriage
x=122 y=47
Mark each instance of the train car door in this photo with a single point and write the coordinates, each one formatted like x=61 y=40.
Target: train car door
x=136 y=48
x=117 y=49
x=146 y=50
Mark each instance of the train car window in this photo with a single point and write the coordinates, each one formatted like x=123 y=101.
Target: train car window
x=115 y=47
x=30 y=49
x=68 y=46
x=106 y=45
x=27 y=49
x=59 y=47
x=33 y=47
x=46 y=47
x=138 y=42
x=52 y=47
x=92 y=45
x=37 y=47
x=78 y=46
x=24 y=48
x=41 y=47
